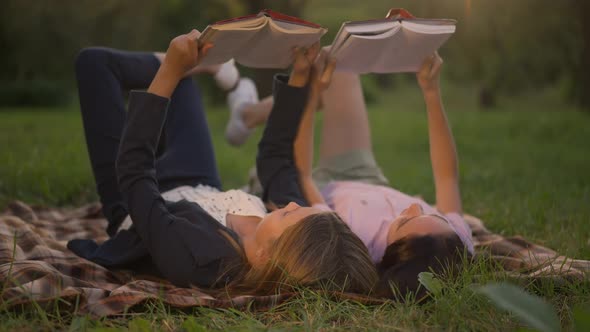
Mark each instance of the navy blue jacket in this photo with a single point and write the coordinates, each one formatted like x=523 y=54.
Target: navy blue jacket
x=181 y=241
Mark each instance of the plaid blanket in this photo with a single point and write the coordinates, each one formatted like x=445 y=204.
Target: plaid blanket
x=36 y=268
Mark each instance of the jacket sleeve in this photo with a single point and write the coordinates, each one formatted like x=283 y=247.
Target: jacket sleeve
x=174 y=243
x=275 y=162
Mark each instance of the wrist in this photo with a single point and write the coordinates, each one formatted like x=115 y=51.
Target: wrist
x=171 y=72
x=299 y=79
x=431 y=91
x=165 y=81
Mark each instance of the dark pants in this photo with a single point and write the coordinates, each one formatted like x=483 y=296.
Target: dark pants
x=104 y=77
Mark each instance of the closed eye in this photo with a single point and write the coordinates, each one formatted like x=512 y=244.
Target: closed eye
x=405 y=221
x=286 y=213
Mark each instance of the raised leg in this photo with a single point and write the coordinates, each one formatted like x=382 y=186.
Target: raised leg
x=104 y=76
x=346 y=125
x=188 y=158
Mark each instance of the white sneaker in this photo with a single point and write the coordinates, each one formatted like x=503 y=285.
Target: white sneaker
x=227 y=76
x=245 y=94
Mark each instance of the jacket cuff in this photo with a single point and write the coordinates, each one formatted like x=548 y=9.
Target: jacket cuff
x=295 y=96
x=289 y=104
x=146 y=115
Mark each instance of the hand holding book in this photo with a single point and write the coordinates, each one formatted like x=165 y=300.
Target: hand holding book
x=183 y=54
x=304 y=60
x=312 y=66
x=429 y=73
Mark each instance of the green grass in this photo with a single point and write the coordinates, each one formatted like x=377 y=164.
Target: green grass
x=524 y=170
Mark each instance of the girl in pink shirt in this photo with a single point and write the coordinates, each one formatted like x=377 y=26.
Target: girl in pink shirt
x=404 y=234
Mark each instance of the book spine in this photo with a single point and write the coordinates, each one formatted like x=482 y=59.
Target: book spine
x=206 y=35
x=290 y=19
x=239 y=18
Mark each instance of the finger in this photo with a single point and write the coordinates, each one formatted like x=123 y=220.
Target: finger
x=427 y=63
x=314 y=74
x=194 y=34
x=321 y=58
x=298 y=53
x=205 y=49
x=436 y=65
x=328 y=72
x=300 y=59
x=313 y=51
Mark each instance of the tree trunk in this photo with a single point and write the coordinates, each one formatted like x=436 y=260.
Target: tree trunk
x=581 y=77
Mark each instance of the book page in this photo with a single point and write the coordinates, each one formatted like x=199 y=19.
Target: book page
x=407 y=50
x=226 y=44
x=273 y=47
x=429 y=26
x=288 y=27
x=374 y=27
x=249 y=23
x=402 y=49
x=359 y=53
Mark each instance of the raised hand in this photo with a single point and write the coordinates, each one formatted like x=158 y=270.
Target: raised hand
x=303 y=61
x=321 y=73
x=183 y=54
x=429 y=73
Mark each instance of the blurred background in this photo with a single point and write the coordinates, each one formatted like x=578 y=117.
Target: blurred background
x=502 y=49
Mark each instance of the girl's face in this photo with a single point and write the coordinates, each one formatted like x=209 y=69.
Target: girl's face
x=413 y=222
x=276 y=222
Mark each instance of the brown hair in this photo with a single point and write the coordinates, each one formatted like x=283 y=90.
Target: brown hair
x=320 y=251
x=405 y=258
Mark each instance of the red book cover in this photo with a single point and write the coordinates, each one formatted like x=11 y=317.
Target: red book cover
x=275 y=16
x=395 y=13
x=282 y=17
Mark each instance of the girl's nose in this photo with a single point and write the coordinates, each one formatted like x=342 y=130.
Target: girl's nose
x=414 y=210
x=291 y=206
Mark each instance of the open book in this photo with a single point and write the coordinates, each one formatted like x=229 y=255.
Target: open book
x=398 y=43
x=263 y=40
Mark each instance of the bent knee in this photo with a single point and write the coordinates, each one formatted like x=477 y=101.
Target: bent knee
x=91 y=57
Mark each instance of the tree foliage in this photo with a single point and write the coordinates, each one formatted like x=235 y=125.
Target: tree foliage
x=503 y=46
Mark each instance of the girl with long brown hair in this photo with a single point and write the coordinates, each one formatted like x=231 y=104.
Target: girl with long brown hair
x=183 y=226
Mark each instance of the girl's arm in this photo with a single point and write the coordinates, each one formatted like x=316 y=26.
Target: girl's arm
x=278 y=162
x=176 y=246
x=304 y=142
x=275 y=164
x=443 y=153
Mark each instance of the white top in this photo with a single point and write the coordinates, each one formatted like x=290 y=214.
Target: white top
x=217 y=203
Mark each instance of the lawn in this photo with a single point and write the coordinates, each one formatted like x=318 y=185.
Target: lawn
x=524 y=170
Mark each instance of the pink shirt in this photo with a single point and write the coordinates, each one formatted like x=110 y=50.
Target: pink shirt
x=370 y=209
